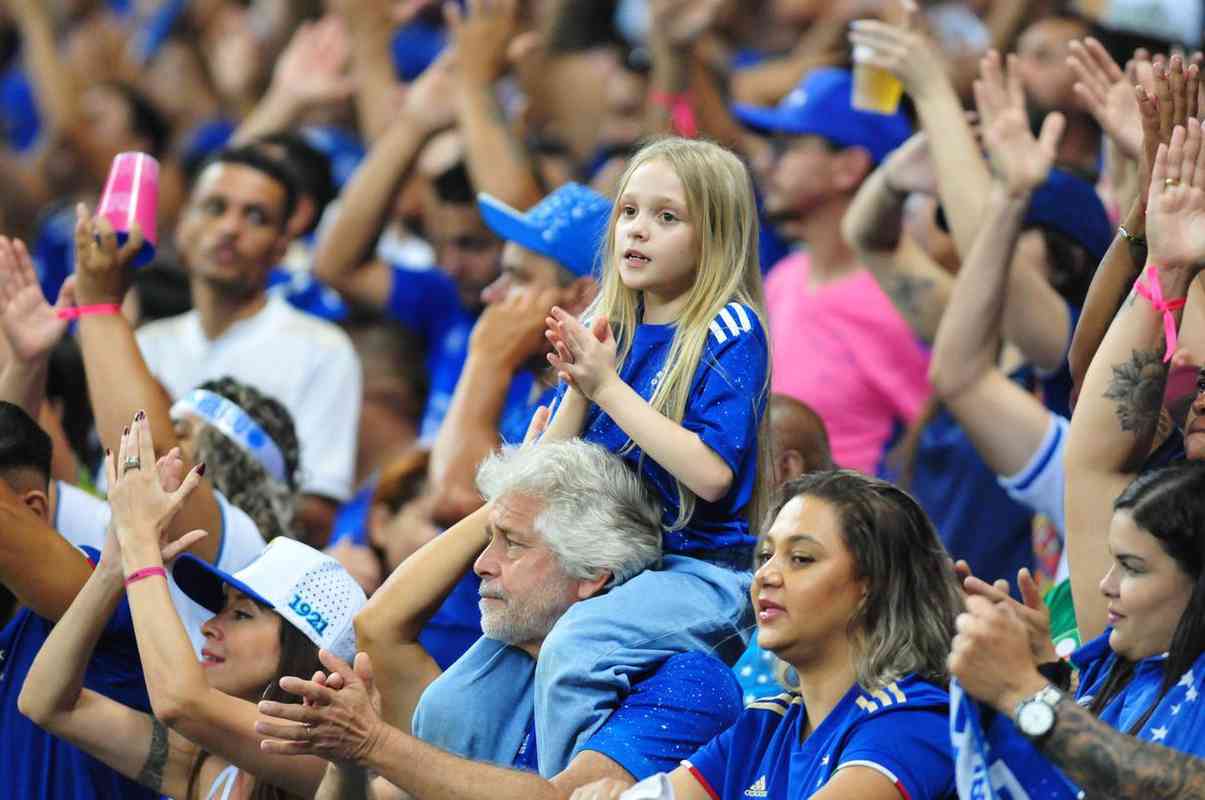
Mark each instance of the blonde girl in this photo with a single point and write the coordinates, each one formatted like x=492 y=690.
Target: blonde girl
x=673 y=375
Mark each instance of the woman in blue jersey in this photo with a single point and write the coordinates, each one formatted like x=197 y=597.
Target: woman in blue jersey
x=1143 y=677
x=270 y=620
x=856 y=595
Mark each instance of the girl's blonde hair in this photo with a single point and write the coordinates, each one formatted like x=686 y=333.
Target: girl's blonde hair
x=720 y=204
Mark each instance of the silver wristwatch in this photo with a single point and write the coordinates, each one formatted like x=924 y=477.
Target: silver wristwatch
x=1035 y=715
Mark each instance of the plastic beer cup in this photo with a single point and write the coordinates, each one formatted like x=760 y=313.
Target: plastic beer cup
x=875 y=89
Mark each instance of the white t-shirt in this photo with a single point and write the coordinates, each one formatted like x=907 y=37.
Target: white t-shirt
x=1039 y=484
x=82 y=520
x=306 y=363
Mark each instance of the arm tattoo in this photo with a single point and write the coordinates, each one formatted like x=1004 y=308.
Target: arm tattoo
x=1137 y=391
x=1104 y=762
x=151 y=774
x=910 y=294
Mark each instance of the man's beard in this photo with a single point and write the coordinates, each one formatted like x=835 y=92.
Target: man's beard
x=530 y=621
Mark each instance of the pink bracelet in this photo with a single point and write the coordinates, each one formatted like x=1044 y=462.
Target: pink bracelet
x=75 y=312
x=145 y=572
x=681 y=114
x=1148 y=286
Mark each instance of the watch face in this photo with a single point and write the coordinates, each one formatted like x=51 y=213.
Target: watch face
x=1035 y=718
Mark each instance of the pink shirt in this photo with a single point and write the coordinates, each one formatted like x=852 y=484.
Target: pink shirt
x=844 y=350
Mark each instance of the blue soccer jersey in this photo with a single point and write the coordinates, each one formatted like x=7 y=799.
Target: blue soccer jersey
x=901 y=731
x=726 y=404
x=1178 y=719
x=35 y=764
x=686 y=702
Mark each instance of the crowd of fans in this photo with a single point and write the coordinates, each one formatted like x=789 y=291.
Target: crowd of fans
x=595 y=399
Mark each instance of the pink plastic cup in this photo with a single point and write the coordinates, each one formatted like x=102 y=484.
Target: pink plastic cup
x=132 y=195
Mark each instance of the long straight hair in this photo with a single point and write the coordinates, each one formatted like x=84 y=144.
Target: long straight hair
x=719 y=201
x=1169 y=504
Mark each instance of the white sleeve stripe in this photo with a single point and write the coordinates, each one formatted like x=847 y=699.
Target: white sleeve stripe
x=741 y=315
x=730 y=322
x=879 y=768
x=718 y=332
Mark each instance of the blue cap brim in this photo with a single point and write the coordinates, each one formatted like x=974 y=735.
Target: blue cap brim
x=205 y=583
x=508 y=224
x=768 y=120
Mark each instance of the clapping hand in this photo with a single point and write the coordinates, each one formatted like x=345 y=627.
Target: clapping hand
x=582 y=357
x=338 y=719
x=142 y=505
x=1032 y=610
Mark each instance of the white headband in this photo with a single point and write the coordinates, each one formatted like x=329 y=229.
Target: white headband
x=229 y=418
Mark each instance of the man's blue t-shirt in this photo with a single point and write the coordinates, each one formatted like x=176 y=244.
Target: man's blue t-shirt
x=35 y=764
x=670 y=713
x=726 y=404
x=427 y=302
x=901 y=731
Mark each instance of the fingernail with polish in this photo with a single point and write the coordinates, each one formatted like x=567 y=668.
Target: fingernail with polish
x=201 y=468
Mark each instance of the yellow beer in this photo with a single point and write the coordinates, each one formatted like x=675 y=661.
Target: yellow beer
x=875 y=89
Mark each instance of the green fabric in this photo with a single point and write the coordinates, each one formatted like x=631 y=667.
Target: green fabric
x=1063 y=629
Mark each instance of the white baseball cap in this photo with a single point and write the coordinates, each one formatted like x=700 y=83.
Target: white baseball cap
x=311 y=590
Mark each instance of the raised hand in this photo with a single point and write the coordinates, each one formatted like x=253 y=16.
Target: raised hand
x=101 y=274
x=341 y=725
x=1166 y=104
x=903 y=52
x=679 y=23
x=142 y=506
x=1108 y=93
x=31 y=325
x=1175 y=212
x=909 y=168
x=312 y=69
x=481 y=37
x=430 y=100
x=1018 y=160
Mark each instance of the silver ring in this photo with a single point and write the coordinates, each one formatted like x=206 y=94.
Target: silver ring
x=130 y=463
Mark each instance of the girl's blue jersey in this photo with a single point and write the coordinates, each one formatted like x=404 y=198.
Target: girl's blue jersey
x=726 y=404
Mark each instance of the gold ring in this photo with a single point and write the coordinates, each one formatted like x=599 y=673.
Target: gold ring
x=1171 y=182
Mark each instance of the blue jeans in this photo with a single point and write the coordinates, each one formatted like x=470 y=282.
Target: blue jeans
x=587 y=664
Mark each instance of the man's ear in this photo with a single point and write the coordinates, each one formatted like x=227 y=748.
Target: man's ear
x=591 y=586
x=38 y=502
x=303 y=214
x=790 y=465
x=851 y=167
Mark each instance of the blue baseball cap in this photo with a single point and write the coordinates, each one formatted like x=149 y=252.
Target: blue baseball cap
x=566 y=226
x=1069 y=205
x=820 y=106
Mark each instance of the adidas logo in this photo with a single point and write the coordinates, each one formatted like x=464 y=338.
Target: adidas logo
x=758 y=789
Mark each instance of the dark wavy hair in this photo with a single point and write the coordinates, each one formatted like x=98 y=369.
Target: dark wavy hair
x=238 y=476
x=906 y=623
x=1169 y=504
x=299 y=657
